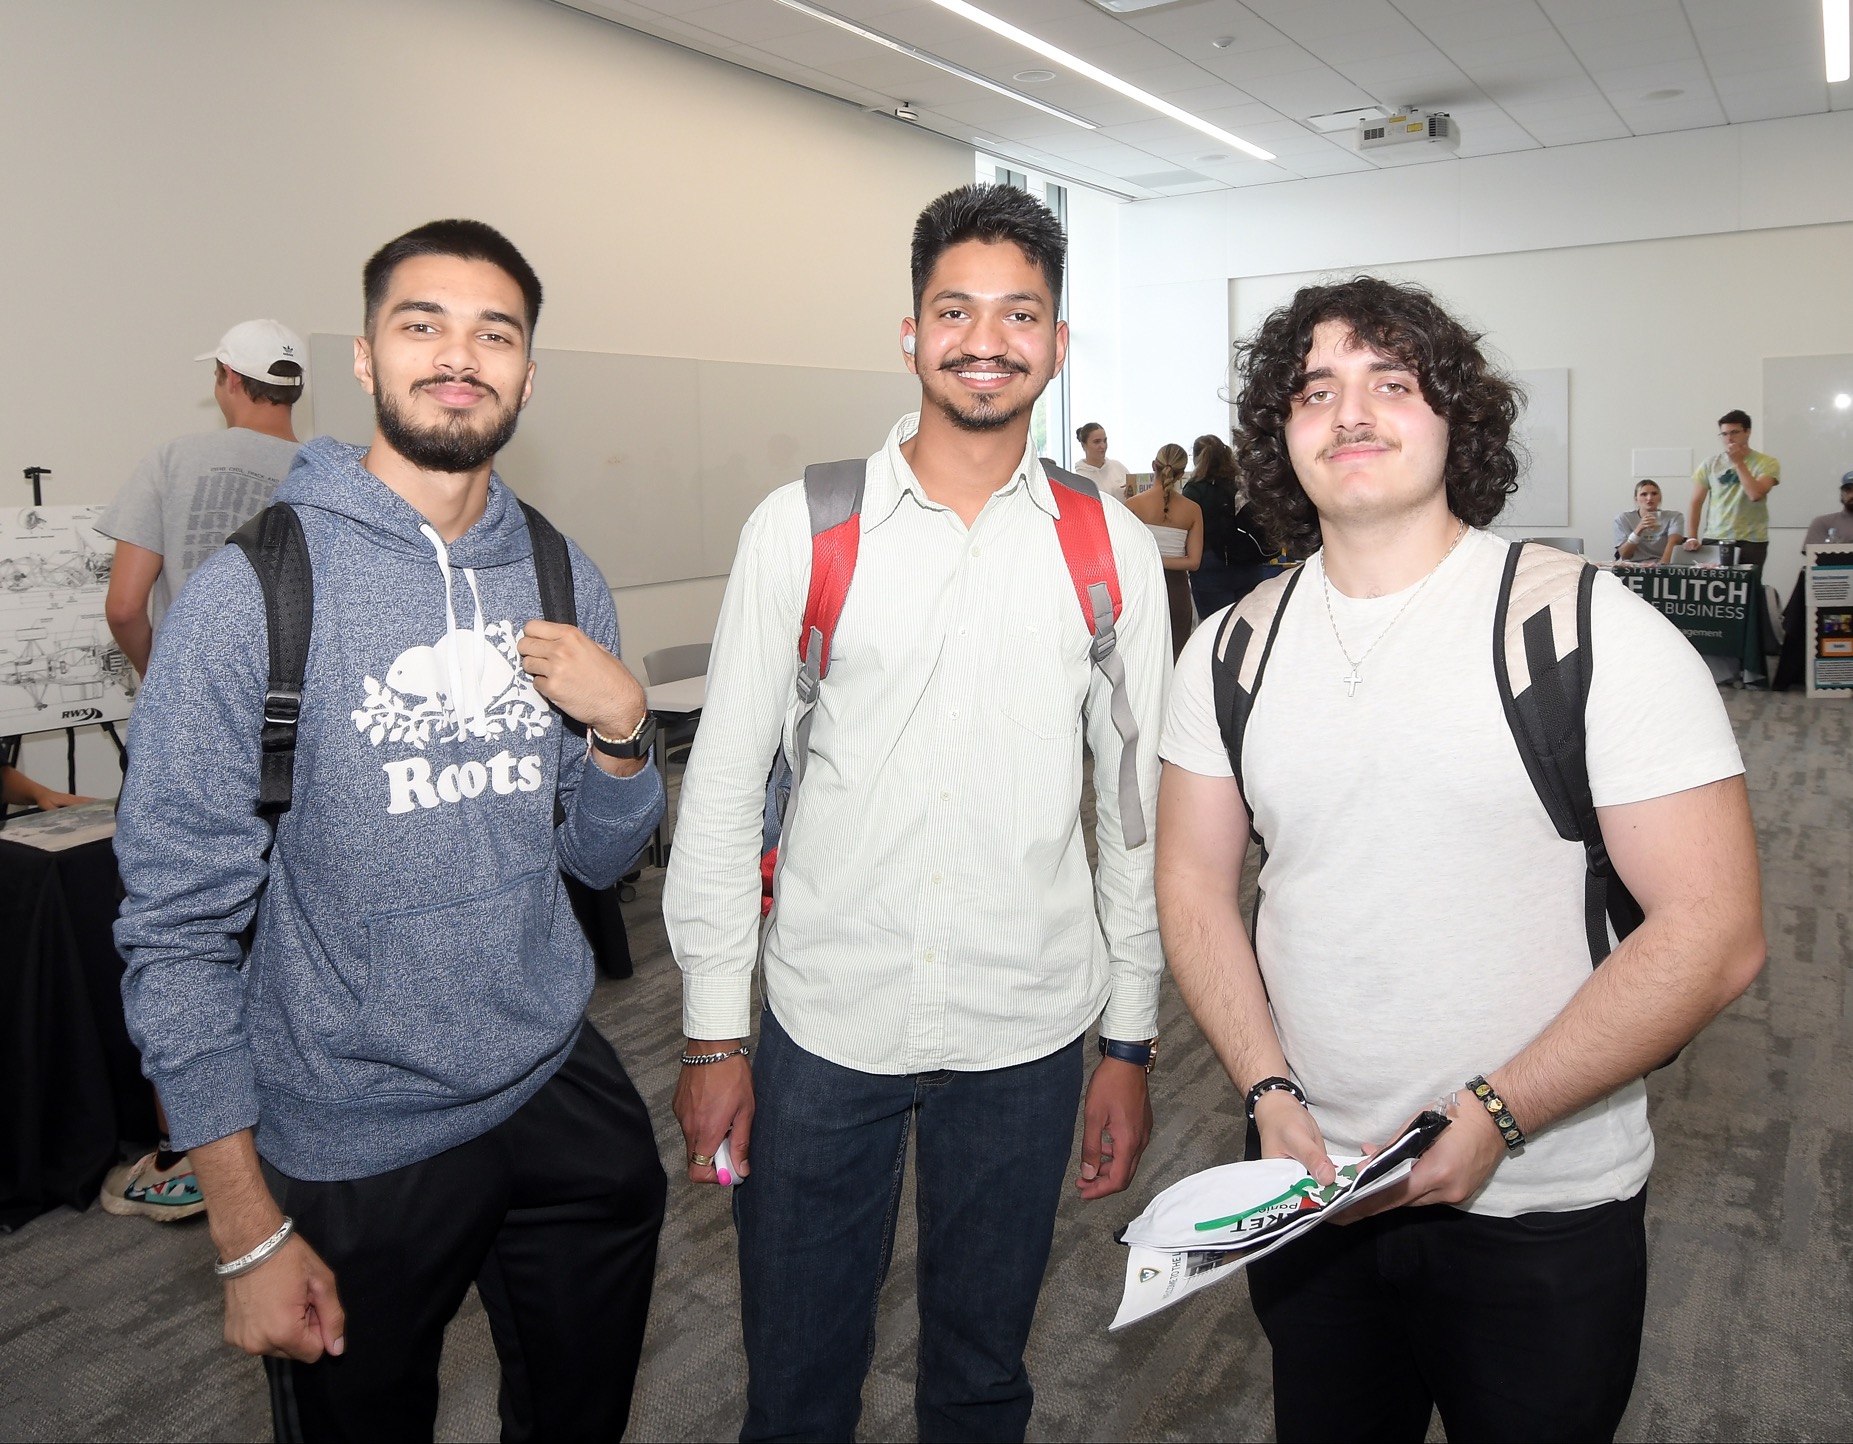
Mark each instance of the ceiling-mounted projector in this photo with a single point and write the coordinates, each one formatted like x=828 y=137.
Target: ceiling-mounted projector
x=1410 y=126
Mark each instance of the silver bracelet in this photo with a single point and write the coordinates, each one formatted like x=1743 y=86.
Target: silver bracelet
x=701 y=1060
x=244 y=1263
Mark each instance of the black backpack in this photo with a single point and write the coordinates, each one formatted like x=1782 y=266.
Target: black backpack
x=273 y=542
x=1544 y=595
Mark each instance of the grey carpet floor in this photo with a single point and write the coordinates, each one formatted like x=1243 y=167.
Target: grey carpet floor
x=109 y=1328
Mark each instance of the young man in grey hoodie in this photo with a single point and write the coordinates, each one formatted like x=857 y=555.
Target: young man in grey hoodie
x=396 y=1092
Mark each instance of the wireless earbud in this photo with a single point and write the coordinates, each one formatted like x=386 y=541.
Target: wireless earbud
x=907 y=344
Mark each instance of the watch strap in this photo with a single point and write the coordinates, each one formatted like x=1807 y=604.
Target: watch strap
x=636 y=745
x=1272 y=1085
x=1140 y=1055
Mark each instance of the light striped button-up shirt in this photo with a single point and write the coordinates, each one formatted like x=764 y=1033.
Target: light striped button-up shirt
x=935 y=908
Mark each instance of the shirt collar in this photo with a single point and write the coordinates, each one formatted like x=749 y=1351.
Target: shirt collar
x=892 y=478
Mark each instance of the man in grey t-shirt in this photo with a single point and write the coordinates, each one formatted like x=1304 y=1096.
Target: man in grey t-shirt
x=186 y=497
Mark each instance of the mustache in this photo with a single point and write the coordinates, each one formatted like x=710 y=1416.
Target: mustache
x=994 y=363
x=471 y=381
x=1363 y=437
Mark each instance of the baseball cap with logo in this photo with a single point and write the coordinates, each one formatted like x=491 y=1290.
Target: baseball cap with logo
x=255 y=348
x=1846 y=480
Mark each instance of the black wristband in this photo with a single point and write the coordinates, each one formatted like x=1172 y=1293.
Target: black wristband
x=1485 y=1095
x=1271 y=1085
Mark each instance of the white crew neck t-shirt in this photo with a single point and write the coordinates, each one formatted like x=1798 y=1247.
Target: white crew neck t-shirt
x=1421 y=920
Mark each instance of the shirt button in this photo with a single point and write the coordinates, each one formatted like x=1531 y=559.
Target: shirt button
x=977 y=552
x=945 y=797
x=938 y=878
x=930 y=955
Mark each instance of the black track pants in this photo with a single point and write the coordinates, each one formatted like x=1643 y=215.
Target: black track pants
x=553 y=1214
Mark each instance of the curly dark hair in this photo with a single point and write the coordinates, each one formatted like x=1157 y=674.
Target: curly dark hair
x=1408 y=324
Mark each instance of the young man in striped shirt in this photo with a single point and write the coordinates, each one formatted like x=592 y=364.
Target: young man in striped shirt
x=939 y=950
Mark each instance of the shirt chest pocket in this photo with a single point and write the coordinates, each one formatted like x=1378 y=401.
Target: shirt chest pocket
x=1040 y=675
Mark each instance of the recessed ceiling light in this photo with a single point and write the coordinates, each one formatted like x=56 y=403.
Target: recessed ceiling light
x=1222 y=42
x=1092 y=72
x=927 y=57
x=1670 y=94
x=1214 y=155
x=1033 y=77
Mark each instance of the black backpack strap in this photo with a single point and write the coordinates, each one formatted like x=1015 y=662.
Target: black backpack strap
x=1545 y=595
x=273 y=543
x=1244 y=642
x=553 y=571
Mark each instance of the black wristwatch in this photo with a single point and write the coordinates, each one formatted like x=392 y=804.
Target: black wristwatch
x=634 y=746
x=1142 y=1055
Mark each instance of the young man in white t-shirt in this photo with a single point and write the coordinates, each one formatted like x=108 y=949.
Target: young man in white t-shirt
x=1421 y=923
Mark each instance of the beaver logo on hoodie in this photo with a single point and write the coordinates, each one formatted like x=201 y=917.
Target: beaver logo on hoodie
x=467 y=684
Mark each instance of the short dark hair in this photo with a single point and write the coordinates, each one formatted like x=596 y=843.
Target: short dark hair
x=1403 y=322
x=1735 y=418
x=993 y=214
x=1087 y=429
x=467 y=241
x=264 y=391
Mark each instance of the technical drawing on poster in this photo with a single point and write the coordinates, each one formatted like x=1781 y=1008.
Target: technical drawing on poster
x=59 y=666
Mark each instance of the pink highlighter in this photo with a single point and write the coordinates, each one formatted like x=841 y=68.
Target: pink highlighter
x=725 y=1173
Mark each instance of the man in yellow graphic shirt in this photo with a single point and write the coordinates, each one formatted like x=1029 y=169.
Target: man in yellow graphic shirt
x=1733 y=488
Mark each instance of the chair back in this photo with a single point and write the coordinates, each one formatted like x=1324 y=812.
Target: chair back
x=1562 y=543
x=673 y=664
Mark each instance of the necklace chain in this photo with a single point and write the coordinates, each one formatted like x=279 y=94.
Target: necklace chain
x=1356 y=676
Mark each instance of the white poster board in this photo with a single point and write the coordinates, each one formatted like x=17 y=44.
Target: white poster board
x=1543 y=495
x=59 y=666
x=1808 y=427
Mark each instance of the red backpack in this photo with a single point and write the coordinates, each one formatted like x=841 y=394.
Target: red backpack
x=833 y=494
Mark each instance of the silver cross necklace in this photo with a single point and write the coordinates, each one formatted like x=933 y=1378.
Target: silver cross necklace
x=1356 y=675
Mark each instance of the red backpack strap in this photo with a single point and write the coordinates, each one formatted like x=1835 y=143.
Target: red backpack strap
x=1087 y=548
x=833 y=494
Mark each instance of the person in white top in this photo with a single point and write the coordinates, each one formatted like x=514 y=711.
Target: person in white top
x=938 y=951
x=1176 y=524
x=1095 y=464
x=1421 y=927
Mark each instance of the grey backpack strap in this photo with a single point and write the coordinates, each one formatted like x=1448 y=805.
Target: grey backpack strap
x=1543 y=662
x=1087 y=549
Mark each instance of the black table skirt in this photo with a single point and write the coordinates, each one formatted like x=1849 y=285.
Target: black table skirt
x=70 y=1080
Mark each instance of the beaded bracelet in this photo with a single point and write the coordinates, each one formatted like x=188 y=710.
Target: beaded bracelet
x=1271 y=1085
x=701 y=1060
x=1501 y=1115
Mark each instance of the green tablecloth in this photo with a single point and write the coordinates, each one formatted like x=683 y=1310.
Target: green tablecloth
x=1718 y=608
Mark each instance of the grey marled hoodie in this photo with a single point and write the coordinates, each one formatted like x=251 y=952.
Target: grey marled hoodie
x=417 y=971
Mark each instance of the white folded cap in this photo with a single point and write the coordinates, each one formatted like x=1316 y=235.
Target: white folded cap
x=252 y=348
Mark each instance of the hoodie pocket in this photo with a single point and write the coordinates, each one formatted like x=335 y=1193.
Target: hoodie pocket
x=463 y=998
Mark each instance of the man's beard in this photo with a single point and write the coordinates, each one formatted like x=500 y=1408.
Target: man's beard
x=985 y=413
x=458 y=443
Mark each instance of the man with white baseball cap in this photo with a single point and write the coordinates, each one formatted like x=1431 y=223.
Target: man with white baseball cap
x=189 y=495
x=179 y=506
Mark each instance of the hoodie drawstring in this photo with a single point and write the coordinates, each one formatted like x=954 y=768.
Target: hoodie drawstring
x=468 y=709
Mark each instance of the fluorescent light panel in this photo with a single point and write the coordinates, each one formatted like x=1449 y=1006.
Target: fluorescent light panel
x=927 y=57
x=1097 y=75
x=1834 y=30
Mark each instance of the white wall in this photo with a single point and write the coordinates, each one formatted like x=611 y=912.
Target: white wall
x=171 y=169
x=1095 y=345
x=1660 y=269
x=1660 y=338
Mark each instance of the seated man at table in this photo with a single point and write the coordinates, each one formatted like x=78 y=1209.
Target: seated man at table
x=1834 y=526
x=1647 y=534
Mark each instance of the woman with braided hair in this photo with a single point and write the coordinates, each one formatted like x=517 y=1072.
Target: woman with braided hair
x=1176 y=524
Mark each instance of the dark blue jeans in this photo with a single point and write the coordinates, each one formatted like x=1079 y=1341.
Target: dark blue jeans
x=816 y=1223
